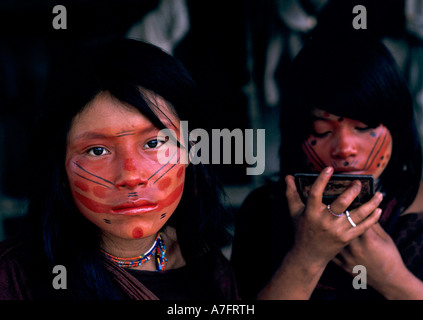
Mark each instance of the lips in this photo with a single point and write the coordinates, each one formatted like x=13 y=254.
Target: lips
x=134 y=207
x=350 y=171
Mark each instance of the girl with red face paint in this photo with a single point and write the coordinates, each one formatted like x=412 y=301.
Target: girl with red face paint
x=124 y=224
x=346 y=110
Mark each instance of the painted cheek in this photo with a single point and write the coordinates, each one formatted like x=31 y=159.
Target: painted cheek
x=312 y=152
x=180 y=172
x=100 y=192
x=380 y=150
x=164 y=184
x=81 y=185
x=382 y=159
x=92 y=204
x=172 y=197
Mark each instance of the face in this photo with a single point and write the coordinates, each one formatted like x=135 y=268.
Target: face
x=114 y=172
x=348 y=145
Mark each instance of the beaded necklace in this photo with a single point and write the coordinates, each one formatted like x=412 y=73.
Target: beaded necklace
x=158 y=249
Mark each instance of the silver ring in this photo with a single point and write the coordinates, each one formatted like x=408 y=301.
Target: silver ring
x=349 y=219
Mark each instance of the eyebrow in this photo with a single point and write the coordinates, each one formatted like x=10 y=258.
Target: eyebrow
x=91 y=135
x=314 y=118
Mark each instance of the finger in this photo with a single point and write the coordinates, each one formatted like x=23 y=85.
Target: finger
x=376 y=232
x=295 y=204
x=316 y=191
x=367 y=223
x=344 y=200
x=337 y=260
x=362 y=212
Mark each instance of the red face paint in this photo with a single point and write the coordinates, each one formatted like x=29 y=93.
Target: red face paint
x=81 y=185
x=129 y=165
x=180 y=172
x=137 y=233
x=92 y=204
x=349 y=146
x=164 y=183
x=106 y=151
x=100 y=192
x=172 y=198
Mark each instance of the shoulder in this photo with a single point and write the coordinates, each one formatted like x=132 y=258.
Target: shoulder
x=223 y=274
x=270 y=190
x=417 y=205
x=14 y=256
x=11 y=251
x=408 y=236
x=264 y=198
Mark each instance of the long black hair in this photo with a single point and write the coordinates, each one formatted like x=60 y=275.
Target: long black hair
x=354 y=77
x=124 y=68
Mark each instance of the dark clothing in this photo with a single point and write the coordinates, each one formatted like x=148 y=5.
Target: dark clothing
x=210 y=277
x=264 y=229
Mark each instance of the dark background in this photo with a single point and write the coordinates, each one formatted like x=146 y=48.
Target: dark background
x=235 y=50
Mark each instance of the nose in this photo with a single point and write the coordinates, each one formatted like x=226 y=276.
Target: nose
x=344 y=146
x=131 y=175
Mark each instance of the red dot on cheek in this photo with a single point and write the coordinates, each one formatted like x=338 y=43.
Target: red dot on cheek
x=137 y=233
x=180 y=172
x=164 y=184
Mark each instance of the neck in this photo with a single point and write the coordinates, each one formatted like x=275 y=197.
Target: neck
x=126 y=248
x=129 y=248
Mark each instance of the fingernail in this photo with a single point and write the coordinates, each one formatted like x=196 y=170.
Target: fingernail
x=357 y=183
x=379 y=195
x=328 y=170
x=378 y=211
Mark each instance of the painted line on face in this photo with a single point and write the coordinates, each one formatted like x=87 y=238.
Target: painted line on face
x=92 y=205
x=103 y=185
x=98 y=207
x=313 y=154
x=172 y=197
x=107 y=221
x=162 y=167
x=132 y=194
x=334 y=165
x=380 y=148
x=374 y=147
x=167 y=171
x=354 y=163
x=125 y=133
x=98 y=177
x=163 y=215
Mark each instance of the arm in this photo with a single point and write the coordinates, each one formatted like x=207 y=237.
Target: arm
x=294 y=280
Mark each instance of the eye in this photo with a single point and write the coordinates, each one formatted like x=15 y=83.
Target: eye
x=155 y=143
x=321 y=135
x=363 y=129
x=98 y=151
x=321 y=128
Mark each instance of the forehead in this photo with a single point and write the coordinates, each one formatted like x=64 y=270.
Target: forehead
x=319 y=113
x=106 y=111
